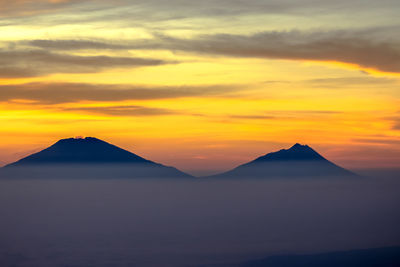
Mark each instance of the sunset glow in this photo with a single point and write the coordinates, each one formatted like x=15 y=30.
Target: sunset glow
x=201 y=86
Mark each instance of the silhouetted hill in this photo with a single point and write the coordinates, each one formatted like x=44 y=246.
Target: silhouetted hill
x=82 y=151
x=375 y=257
x=297 y=161
x=88 y=158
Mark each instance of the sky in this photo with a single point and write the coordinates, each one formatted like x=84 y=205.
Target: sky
x=203 y=85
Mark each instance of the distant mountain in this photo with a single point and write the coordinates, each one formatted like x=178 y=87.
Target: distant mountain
x=88 y=158
x=297 y=161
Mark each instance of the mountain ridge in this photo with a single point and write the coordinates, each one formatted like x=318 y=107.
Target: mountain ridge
x=91 y=156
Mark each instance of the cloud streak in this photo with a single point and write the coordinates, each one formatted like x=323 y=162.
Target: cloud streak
x=396 y=124
x=179 y=9
x=343 y=82
x=17 y=8
x=284 y=114
x=361 y=48
x=137 y=111
x=65 y=45
x=30 y=63
x=339 y=46
x=57 y=93
x=386 y=141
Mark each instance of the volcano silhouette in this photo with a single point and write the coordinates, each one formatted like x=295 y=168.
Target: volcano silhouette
x=87 y=158
x=297 y=161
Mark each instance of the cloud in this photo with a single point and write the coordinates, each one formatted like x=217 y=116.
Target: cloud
x=160 y=15
x=394 y=120
x=125 y=111
x=252 y=117
x=17 y=72
x=151 y=10
x=396 y=125
x=362 y=47
x=386 y=141
x=238 y=7
x=284 y=114
x=351 y=81
x=75 y=45
x=28 y=63
x=358 y=48
x=56 y=93
x=17 y=8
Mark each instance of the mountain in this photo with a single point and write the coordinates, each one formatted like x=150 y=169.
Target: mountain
x=297 y=161
x=88 y=158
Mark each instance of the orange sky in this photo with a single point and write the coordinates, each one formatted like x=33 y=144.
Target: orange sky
x=203 y=86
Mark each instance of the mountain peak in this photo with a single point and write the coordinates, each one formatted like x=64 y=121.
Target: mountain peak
x=93 y=156
x=299 y=146
x=79 y=139
x=82 y=151
x=297 y=161
x=297 y=152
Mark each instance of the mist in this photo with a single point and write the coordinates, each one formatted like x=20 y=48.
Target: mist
x=191 y=222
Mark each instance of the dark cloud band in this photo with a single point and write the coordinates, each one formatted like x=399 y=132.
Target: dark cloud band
x=29 y=63
x=340 y=46
x=136 y=111
x=361 y=48
x=56 y=93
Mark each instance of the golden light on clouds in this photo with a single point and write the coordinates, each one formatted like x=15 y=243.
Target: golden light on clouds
x=200 y=95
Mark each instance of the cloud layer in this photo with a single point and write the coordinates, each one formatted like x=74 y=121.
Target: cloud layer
x=340 y=46
x=179 y=9
x=124 y=110
x=29 y=63
x=56 y=93
x=361 y=48
x=29 y=7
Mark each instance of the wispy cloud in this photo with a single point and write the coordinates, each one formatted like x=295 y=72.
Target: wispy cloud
x=359 y=81
x=361 y=48
x=178 y=9
x=124 y=110
x=396 y=123
x=340 y=46
x=393 y=120
x=28 y=7
x=76 y=45
x=28 y=63
x=378 y=141
x=252 y=117
x=283 y=114
x=56 y=93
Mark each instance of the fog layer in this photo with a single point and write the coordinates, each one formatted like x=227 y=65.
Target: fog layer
x=159 y=222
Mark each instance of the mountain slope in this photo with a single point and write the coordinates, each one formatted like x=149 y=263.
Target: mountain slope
x=81 y=150
x=297 y=161
x=88 y=157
